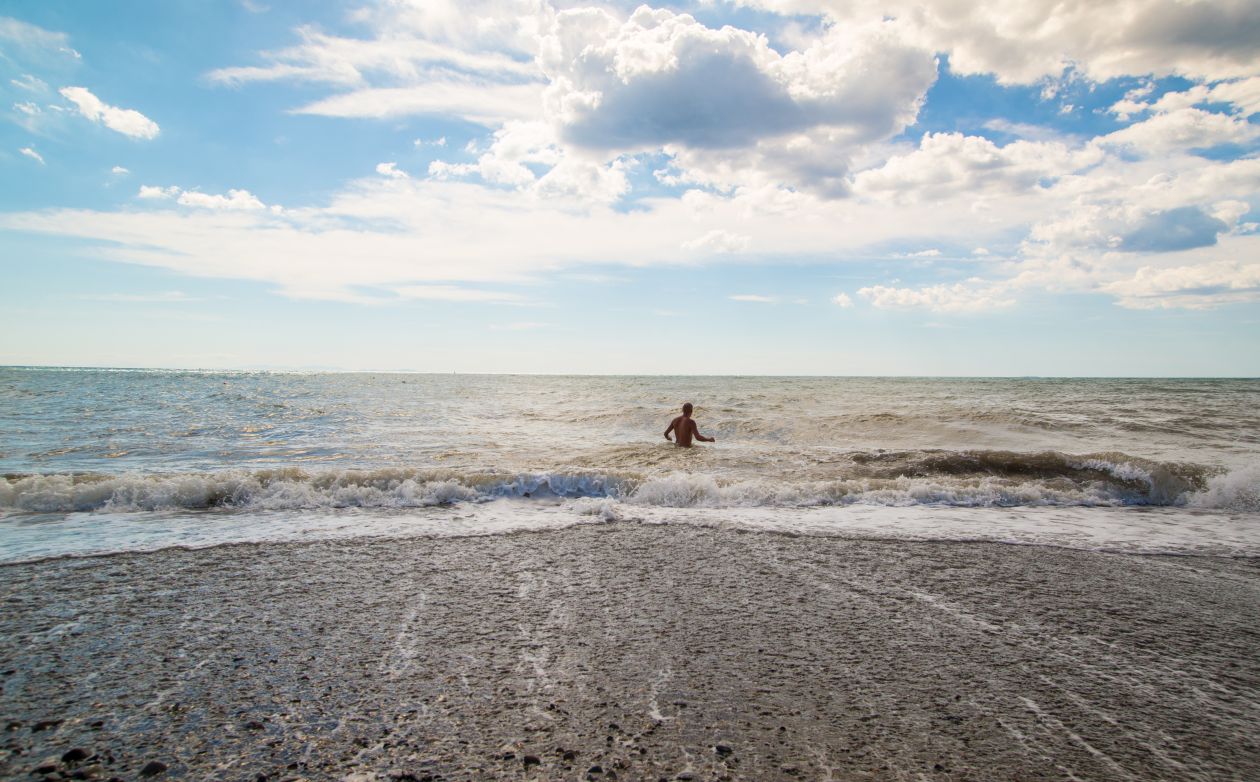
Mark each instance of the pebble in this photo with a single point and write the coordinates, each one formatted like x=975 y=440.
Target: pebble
x=531 y=760
x=153 y=768
x=723 y=750
x=75 y=755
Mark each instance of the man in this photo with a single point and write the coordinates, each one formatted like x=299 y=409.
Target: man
x=684 y=429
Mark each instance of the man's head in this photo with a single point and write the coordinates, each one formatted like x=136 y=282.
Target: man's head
x=686 y=408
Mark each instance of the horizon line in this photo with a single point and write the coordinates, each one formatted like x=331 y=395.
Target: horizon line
x=493 y=373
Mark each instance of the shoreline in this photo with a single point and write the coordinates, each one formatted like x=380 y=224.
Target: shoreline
x=648 y=651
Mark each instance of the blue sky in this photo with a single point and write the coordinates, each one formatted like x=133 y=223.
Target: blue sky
x=770 y=187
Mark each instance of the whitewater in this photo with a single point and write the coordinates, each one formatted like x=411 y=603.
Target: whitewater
x=97 y=461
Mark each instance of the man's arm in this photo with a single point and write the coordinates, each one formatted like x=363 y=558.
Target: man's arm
x=695 y=430
x=672 y=424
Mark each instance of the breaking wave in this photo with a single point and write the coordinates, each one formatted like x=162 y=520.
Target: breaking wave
x=952 y=478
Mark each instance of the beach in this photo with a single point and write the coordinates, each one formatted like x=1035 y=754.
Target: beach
x=631 y=651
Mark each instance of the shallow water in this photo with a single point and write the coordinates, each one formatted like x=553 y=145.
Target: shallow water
x=103 y=460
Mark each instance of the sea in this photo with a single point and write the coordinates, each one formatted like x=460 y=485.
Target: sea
x=95 y=461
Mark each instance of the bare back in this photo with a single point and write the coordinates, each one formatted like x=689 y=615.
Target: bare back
x=684 y=430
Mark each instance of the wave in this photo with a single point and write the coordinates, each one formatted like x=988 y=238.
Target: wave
x=970 y=478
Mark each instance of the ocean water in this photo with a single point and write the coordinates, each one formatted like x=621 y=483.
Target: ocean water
x=96 y=461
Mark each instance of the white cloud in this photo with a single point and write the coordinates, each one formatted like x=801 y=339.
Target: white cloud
x=1241 y=95
x=119 y=171
x=437 y=142
x=1027 y=42
x=947 y=164
x=154 y=192
x=973 y=296
x=931 y=253
x=1204 y=286
x=125 y=121
x=724 y=104
x=32 y=154
x=484 y=104
x=234 y=200
x=843 y=300
x=1181 y=129
x=29 y=83
x=754 y=297
x=390 y=169
x=28 y=108
x=718 y=241
x=469 y=59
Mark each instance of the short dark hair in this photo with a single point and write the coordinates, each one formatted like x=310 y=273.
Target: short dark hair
x=686 y=407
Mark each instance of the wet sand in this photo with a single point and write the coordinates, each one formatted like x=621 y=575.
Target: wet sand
x=632 y=652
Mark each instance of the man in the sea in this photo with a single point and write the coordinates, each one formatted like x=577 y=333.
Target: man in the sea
x=684 y=429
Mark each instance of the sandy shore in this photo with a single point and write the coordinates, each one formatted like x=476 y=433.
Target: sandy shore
x=631 y=652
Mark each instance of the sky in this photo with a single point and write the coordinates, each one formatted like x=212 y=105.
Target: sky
x=814 y=187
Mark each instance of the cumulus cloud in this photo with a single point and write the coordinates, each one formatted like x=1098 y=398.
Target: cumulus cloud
x=754 y=297
x=32 y=154
x=843 y=300
x=154 y=192
x=119 y=171
x=1182 y=129
x=723 y=102
x=972 y=296
x=390 y=170
x=1204 y=286
x=235 y=200
x=1183 y=228
x=757 y=142
x=1026 y=42
x=125 y=121
x=947 y=164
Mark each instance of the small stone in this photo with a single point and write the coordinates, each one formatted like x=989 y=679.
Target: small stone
x=723 y=750
x=595 y=770
x=938 y=767
x=686 y=775
x=44 y=725
x=569 y=754
x=530 y=760
x=253 y=725
x=75 y=755
x=153 y=768
x=509 y=755
x=87 y=772
x=47 y=768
